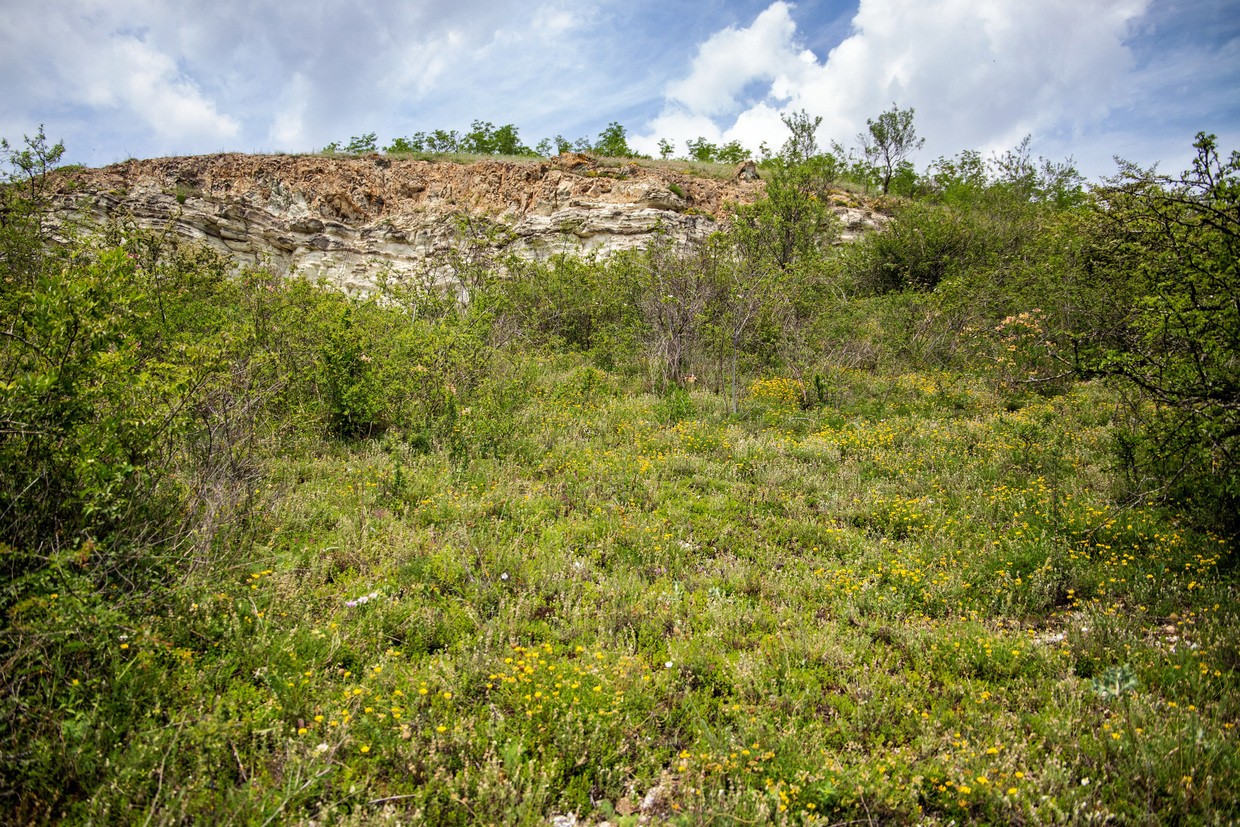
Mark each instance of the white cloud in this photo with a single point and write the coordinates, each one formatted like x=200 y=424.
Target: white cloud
x=89 y=58
x=980 y=73
x=288 y=126
x=142 y=77
x=120 y=77
x=146 y=83
x=734 y=58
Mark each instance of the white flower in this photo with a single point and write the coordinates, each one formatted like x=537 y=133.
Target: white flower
x=321 y=748
x=668 y=664
x=504 y=576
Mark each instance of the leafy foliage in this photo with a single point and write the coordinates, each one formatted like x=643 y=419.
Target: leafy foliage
x=357 y=145
x=792 y=223
x=613 y=142
x=888 y=142
x=1180 y=242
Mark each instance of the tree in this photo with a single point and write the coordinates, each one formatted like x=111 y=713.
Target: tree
x=666 y=148
x=442 y=141
x=402 y=146
x=484 y=138
x=802 y=144
x=1180 y=240
x=549 y=147
x=889 y=141
x=24 y=204
x=732 y=153
x=357 y=145
x=612 y=143
x=791 y=223
x=702 y=150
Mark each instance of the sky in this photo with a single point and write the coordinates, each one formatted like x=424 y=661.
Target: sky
x=1085 y=79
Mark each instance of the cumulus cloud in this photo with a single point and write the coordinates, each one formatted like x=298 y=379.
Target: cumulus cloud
x=156 y=76
x=145 y=77
x=59 y=53
x=981 y=74
x=145 y=83
x=734 y=59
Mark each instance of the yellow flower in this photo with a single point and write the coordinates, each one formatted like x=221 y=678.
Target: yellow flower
x=365 y=748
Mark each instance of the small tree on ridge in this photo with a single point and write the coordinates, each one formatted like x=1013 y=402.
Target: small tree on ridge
x=889 y=141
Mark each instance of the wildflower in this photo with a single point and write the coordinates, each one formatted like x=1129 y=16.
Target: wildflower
x=358 y=601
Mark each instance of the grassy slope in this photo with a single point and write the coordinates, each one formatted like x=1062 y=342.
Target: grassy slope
x=890 y=607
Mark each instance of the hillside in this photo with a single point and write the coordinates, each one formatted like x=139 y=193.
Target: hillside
x=937 y=527
x=344 y=218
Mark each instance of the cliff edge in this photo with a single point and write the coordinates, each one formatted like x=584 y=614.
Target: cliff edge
x=346 y=219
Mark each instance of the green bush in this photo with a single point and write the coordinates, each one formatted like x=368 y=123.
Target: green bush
x=922 y=246
x=1179 y=241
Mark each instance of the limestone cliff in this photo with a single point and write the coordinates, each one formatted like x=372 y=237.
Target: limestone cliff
x=345 y=219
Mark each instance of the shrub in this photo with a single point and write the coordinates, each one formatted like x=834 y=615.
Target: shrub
x=1180 y=240
x=923 y=245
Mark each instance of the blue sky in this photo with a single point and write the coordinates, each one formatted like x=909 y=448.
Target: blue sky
x=1085 y=78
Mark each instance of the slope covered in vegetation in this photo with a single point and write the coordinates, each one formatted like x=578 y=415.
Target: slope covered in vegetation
x=937 y=527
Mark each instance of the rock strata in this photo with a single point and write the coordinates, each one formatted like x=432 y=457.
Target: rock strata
x=349 y=219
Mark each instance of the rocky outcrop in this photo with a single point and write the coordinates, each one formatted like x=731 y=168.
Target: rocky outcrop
x=348 y=219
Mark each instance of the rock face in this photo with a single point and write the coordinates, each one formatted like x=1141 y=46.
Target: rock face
x=347 y=219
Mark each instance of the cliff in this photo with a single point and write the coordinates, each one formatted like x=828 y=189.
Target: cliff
x=345 y=219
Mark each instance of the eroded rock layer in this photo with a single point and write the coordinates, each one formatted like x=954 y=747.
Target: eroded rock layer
x=348 y=219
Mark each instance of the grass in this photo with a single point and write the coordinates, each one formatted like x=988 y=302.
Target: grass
x=902 y=606
x=721 y=172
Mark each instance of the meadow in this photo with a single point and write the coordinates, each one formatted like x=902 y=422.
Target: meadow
x=275 y=554
x=910 y=604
